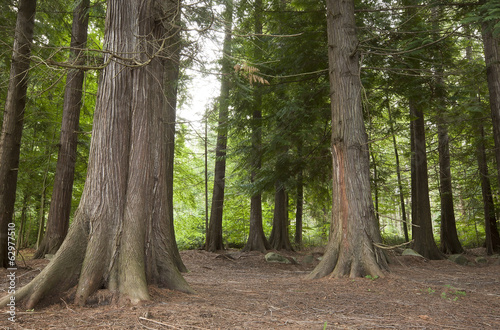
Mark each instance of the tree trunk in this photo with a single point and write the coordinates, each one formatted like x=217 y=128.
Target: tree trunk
x=492 y=61
x=449 y=237
x=351 y=250
x=490 y=220
x=12 y=127
x=398 y=173
x=256 y=239
x=279 y=239
x=22 y=225
x=299 y=210
x=421 y=209
x=60 y=205
x=120 y=238
x=171 y=78
x=448 y=230
x=214 y=238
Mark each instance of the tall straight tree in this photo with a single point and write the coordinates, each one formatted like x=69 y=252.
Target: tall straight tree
x=490 y=220
x=279 y=239
x=171 y=65
x=420 y=204
x=120 y=237
x=60 y=204
x=449 y=238
x=214 y=237
x=491 y=43
x=352 y=249
x=256 y=239
x=398 y=173
x=13 y=118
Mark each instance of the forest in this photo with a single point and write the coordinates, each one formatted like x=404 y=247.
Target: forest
x=362 y=127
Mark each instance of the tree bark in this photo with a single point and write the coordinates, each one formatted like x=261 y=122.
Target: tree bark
x=299 y=210
x=490 y=220
x=12 y=126
x=120 y=238
x=351 y=250
x=60 y=205
x=214 y=238
x=172 y=68
x=398 y=173
x=492 y=61
x=279 y=239
x=450 y=243
x=256 y=239
x=421 y=210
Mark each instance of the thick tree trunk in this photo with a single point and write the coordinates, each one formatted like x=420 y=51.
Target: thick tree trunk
x=12 y=126
x=351 y=250
x=60 y=205
x=214 y=238
x=490 y=220
x=421 y=209
x=120 y=238
x=279 y=239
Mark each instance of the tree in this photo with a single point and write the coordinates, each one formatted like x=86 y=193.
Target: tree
x=490 y=221
x=492 y=61
x=214 y=235
x=256 y=238
x=279 y=239
x=120 y=238
x=60 y=205
x=171 y=66
x=12 y=127
x=420 y=205
x=449 y=238
x=352 y=249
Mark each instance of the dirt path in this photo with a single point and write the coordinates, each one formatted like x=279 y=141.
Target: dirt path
x=242 y=291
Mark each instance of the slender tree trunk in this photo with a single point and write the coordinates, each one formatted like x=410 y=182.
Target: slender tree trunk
x=375 y=186
x=41 y=215
x=450 y=243
x=492 y=60
x=421 y=210
x=279 y=239
x=299 y=210
x=60 y=205
x=22 y=225
x=490 y=220
x=120 y=238
x=171 y=67
x=351 y=250
x=398 y=173
x=256 y=239
x=12 y=126
x=214 y=237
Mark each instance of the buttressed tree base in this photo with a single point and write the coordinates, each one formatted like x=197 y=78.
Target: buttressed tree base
x=120 y=239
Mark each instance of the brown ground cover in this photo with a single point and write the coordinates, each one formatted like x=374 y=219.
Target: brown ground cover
x=242 y=291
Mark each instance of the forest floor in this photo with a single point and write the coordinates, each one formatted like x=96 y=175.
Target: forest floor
x=242 y=291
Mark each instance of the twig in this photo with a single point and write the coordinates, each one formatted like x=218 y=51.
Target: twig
x=159 y=323
x=389 y=247
x=168 y=325
x=67 y=305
